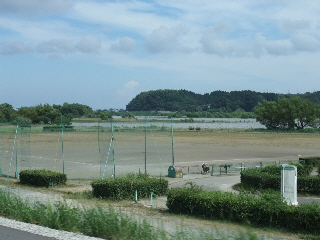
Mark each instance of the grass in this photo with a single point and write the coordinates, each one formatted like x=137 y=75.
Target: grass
x=59 y=212
x=96 y=217
x=100 y=222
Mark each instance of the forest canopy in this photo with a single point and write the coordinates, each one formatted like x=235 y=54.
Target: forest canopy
x=217 y=101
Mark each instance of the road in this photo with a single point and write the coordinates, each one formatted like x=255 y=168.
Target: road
x=7 y=233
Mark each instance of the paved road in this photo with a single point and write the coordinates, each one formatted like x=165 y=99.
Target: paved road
x=7 y=233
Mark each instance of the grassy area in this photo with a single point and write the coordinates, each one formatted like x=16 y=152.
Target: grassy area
x=99 y=221
x=183 y=226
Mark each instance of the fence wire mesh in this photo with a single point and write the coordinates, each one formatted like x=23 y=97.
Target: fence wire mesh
x=93 y=150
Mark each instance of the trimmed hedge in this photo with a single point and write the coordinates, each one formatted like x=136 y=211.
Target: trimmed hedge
x=270 y=177
x=266 y=210
x=124 y=187
x=42 y=178
x=56 y=128
x=313 y=161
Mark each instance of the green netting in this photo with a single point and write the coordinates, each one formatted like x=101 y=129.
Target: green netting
x=105 y=148
x=136 y=147
x=15 y=149
x=23 y=159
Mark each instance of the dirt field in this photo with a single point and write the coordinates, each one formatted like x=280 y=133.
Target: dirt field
x=85 y=157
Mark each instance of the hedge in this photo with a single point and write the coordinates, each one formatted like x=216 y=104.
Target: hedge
x=270 y=177
x=125 y=187
x=56 y=128
x=313 y=161
x=267 y=210
x=42 y=178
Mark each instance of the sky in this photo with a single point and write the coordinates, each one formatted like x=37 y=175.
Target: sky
x=103 y=53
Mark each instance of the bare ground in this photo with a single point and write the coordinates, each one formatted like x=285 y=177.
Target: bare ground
x=82 y=161
x=86 y=157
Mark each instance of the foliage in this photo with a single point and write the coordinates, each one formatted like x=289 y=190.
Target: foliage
x=42 y=178
x=7 y=112
x=74 y=110
x=103 y=114
x=266 y=210
x=127 y=115
x=48 y=114
x=217 y=104
x=179 y=100
x=270 y=178
x=57 y=128
x=40 y=113
x=294 y=113
x=95 y=222
x=165 y=100
x=313 y=161
x=99 y=222
x=124 y=187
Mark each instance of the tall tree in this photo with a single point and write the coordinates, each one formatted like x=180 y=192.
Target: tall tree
x=287 y=113
x=6 y=112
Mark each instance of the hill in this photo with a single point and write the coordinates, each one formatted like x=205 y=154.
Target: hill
x=222 y=101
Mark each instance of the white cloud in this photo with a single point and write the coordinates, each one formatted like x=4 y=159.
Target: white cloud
x=14 y=47
x=135 y=16
x=127 y=92
x=89 y=44
x=31 y=7
x=125 y=44
x=214 y=40
x=165 y=39
x=56 y=46
x=279 y=47
x=293 y=26
x=304 y=42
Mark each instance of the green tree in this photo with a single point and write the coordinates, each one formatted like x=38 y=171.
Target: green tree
x=267 y=114
x=40 y=114
x=6 y=112
x=28 y=112
x=74 y=110
x=307 y=113
x=287 y=113
x=103 y=114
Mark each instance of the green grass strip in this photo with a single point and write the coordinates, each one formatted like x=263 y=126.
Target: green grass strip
x=97 y=222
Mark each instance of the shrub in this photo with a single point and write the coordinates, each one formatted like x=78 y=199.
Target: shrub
x=267 y=210
x=270 y=177
x=56 y=128
x=313 y=161
x=42 y=178
x=309 y=184
x=124 y=187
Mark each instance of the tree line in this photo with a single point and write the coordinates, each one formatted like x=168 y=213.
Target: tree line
x=217 y=101
x=50 y=114
x=275 y=111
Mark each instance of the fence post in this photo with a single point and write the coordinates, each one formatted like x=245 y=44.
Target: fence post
x=136 y=196
x=151 y=199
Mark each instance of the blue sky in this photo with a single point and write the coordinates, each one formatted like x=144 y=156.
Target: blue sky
x=103 y=53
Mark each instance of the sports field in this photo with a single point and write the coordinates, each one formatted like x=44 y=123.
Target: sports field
x=89 y=155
